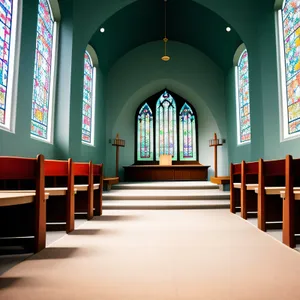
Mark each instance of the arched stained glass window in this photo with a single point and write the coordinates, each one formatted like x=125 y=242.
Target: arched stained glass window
x=8 y=54
x=289 y=31
x=243 y=99
x=145 y=133
x=88 y=100
x=187 y=133
x=43 y=79
x=166 y=133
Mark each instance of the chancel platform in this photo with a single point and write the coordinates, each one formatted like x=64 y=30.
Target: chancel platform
x=164 y=173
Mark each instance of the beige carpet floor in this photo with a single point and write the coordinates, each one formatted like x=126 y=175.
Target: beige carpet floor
x=130 y=255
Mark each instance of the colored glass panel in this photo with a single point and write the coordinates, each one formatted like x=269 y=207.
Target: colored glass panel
x=166 y=132
x=6 y=11
x=291 y=35
x=87 y=105
x=187 y=133
x=145 y=133
x=42 y=71
x=243 y=98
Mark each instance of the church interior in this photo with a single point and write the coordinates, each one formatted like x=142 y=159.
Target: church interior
x=149 y=149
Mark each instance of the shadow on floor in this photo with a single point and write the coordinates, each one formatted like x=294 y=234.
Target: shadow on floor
x=7 y=282
x=56 y=253
x=93 y=232
x=115 y=218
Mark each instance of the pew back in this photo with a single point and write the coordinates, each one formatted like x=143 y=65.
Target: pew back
x=23 y=221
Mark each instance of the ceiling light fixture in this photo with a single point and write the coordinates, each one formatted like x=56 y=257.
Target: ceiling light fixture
x=228 y=29
x=102 y=29
x=165 y=57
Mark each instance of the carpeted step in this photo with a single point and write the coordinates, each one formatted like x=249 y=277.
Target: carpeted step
x=165 y=195
x=166 y=204
x=176 y=185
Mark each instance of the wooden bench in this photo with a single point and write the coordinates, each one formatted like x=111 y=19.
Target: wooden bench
x=249 y=181
x=84 y=184
x=98 y=188
x=109 y=181
x=291 y=203
x=59 y=182
x=22 y=214
x=235 y=185
x=271 y=177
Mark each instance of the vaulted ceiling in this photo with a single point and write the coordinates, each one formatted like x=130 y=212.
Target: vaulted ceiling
x=187 y=22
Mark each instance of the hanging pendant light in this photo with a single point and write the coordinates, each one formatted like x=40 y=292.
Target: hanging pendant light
x=165 y=57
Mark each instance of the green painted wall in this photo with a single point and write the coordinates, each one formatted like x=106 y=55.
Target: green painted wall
x=264 y=97
x=141 y=73
x=20 y=143
x=67 y=143
x=127 y=84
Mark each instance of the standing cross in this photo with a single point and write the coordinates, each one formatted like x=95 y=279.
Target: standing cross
x=118 y=143
x=215 y=142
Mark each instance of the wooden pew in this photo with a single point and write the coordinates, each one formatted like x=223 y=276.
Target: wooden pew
x=84 y=184
x=271 y=177
x=59 y=180
x=22 y=214
x=235 y=185
x=98 y=188
x=291 y=205
x=249 y=181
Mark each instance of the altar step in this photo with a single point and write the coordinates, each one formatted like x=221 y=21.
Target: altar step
x=174 y=185
x=165 y=204
x=165 y=195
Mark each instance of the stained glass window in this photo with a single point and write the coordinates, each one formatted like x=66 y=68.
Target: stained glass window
x=8 y=20
x=145 y=133
x=243 y=99
x=187 y=133
x=41 y=101
x=88 y=99
x=291 y=35
x=166 y=127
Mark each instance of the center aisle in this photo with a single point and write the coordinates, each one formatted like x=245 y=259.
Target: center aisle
x=159 y=254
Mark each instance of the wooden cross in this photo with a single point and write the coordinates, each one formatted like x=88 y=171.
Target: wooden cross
x=215 y=142
x=118 y=143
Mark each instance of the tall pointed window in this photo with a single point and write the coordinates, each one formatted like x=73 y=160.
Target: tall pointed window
x=88 y=104
x=145 y=133
x=175 y=132
x=166 y=133
x=44 y=71
x=187 y=133
x=288 y=20
x=243 y=99
x=10 y=20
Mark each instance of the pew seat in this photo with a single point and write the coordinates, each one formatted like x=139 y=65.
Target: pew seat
x=251 y=186
x=50 y=191
x=237 y=185
x=84 y=187
x=81 y=187
x=96 y=186
x=17 y=198
x=276 y=190
x=296 y=194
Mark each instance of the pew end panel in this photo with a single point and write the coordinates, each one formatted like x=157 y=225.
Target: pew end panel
x=249 y=179
x=270 y=207
x=98 y=179
x=291 y=205
x=60 y=208
x=23 y=225
x=235 y=194
x=84 y=183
